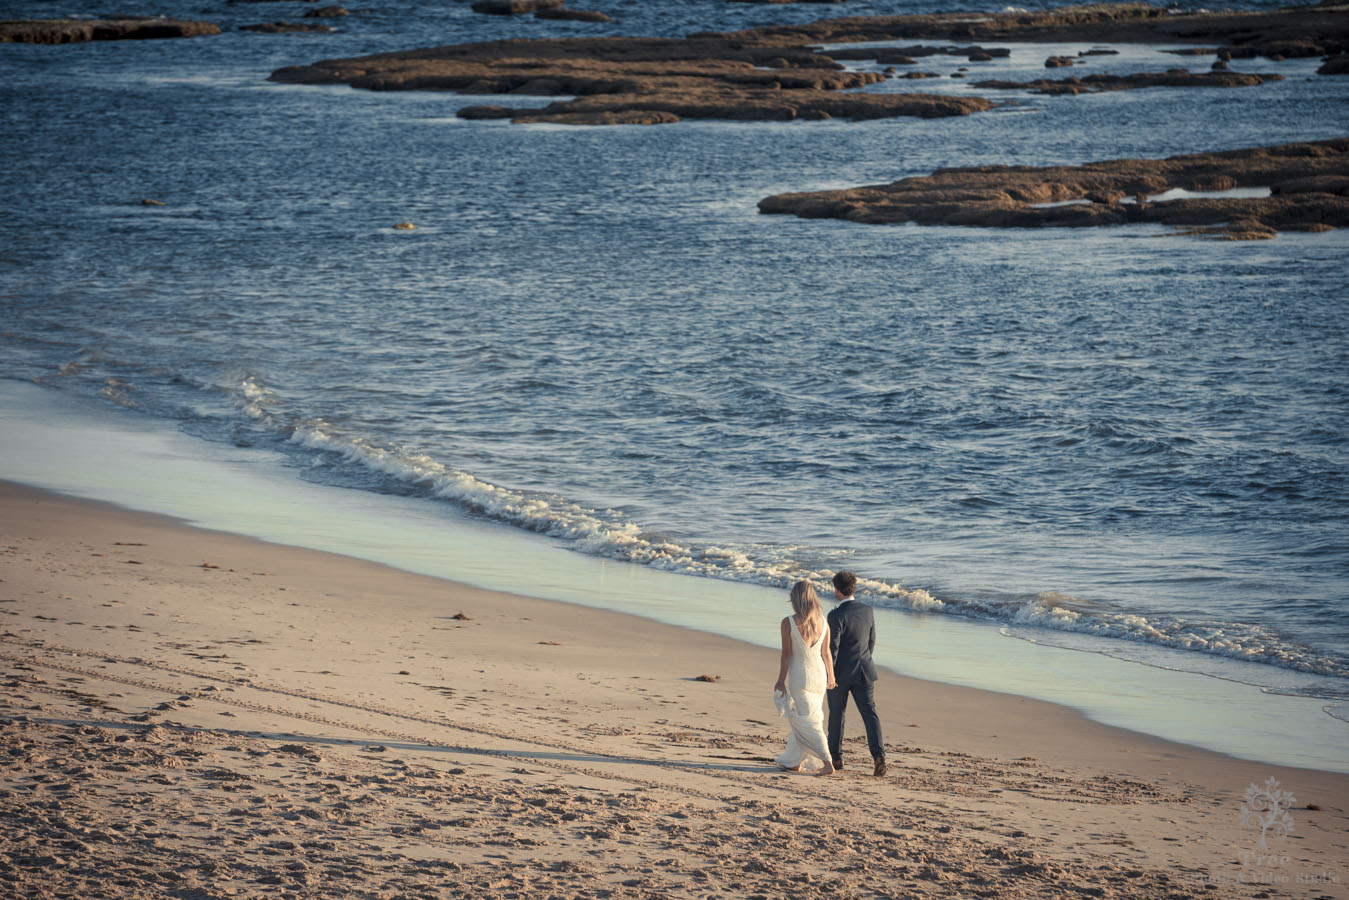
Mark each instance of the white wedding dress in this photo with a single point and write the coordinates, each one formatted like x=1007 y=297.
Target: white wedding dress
x=803 y=705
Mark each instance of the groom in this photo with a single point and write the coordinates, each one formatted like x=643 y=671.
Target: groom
x=852 y=636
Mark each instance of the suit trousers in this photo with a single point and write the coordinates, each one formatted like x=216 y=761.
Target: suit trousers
x=864 y=695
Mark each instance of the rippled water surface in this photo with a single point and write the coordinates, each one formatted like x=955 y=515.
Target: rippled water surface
x=1117 y=436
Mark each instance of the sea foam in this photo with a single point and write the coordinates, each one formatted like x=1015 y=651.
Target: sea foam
x=607 y=533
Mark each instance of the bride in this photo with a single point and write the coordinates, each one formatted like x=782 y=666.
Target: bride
x=807 y=670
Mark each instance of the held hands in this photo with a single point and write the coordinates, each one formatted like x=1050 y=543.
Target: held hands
x=781 y=686
x=832 y=684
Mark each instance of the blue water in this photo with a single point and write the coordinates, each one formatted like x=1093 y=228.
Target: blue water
x=1118 y=440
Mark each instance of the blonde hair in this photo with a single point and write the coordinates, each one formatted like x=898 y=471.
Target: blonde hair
x=807 y=605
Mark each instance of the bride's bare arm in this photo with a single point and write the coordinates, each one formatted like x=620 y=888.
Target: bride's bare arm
x=828 y=660
x=786 y=656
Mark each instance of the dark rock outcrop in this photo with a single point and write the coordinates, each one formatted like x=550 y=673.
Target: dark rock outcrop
x=327 y=12
x=1336 y=65
x=639 y=80
x=1308 y=183
x=122 y=28
x=513 y=7
x=1058 y=62
x=486 y=112
x=1094 y=84
x=573 y=15
x=286 y=27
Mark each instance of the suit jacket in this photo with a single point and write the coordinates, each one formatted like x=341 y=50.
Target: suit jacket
x=852 y=637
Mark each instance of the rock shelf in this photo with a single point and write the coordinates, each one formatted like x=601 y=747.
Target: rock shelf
x=613 y=81
x=1095 y=84
x=783 y=72
x=1304 y=31
x=1308 y=183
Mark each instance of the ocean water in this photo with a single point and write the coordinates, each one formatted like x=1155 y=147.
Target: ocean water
x=1119 y=441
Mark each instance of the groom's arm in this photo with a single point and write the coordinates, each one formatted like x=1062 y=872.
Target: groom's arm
x=871 y=636
x=835 y=632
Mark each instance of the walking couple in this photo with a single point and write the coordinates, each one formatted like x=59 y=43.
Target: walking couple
x=827 y=658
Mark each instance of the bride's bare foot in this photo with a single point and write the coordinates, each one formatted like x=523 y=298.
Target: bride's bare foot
x=795 y=768
x=827 y=770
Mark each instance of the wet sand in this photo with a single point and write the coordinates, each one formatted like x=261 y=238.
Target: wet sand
x=188 y=713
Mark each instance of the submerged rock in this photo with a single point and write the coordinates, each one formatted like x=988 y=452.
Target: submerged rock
x=513 y=7
x=486 y=112
x=286 y=27
x=574 y=15
x=1308 y=184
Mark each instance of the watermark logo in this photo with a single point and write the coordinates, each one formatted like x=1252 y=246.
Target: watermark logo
x=1266 y=808
x=1266 y=811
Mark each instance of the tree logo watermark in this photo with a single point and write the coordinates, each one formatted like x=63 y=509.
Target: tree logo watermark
x=1266 y=808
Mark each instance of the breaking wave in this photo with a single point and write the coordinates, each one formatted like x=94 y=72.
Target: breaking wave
x=608 y=533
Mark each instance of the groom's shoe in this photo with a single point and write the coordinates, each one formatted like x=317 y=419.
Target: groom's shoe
x=838 y=765
x=880 y=765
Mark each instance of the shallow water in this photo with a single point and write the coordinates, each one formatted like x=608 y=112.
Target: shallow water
x=1117 y=440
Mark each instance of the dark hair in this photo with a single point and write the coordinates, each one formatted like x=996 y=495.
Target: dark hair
x=845 y=583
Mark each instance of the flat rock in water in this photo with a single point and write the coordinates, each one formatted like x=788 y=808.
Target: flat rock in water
x=906 y=55
x=615 y=81
x=122 y=28
x=1093 y=84
x=1308 y=183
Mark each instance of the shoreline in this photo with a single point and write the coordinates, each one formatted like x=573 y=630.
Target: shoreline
x=992 y=722
x=229 y=641
x=71 y=447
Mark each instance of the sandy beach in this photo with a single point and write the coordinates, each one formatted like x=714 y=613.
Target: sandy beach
x=194 y=714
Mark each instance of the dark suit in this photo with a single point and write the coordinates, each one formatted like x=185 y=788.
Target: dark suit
x=852 y=637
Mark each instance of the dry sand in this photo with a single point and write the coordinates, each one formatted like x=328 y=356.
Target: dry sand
x=198 y=715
